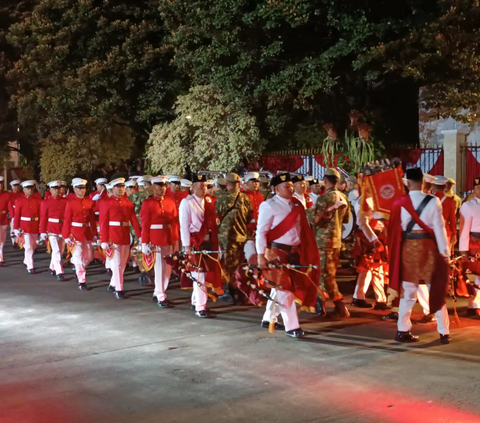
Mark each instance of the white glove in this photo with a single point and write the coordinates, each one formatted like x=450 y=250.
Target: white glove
x=104 y=245
x=68 y=241
x=16 y=232
x=96 y=197
x=43 y=237
x=146 y=249
x=140 y=240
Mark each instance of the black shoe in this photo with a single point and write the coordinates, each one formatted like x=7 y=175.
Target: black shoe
x=60 y=277
x=227 y=297
x=391 y=316
x=266 y=325
x=144 y=279
x=473 y=312
x=296 y=333
x=82 y=287
x=31 y=271
x=165 y=304
x=119 y=295
x=445 y=339
x=204 y=314
x=73 y=269
x=52 y=272
x=111 y=288
x=381 y=306
x=406 y=337
x=154 y=299
x=427 y=318
x=360 y=303
x=320 y=307
x=341 y=310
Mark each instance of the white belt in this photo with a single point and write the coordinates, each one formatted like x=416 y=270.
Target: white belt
x=97 y=212
x=119 y=223
x=159 y=226
x=79 y=225
x=252 y=221
x=53 y=220
x=29 y=219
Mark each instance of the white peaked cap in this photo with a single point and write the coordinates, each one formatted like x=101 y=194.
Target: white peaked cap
x=54 y=184
x=308 y=178
x=15 y=182
x=159 y=180
x=77 y=182
x=117 y=181
x=173 y=178
x=440 y=180
x=29 y=183
x=108 y=186
x=134 y=177
x=251 y=175
x=130 y=184
x=210 y=182
x=101 y=181
x=143 y=179
x=429 y=178
x=185 y=183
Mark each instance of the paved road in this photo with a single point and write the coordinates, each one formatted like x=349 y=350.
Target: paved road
x=80 y=357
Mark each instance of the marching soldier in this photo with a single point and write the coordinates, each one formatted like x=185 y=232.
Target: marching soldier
x=449 y=193
x=130 y=187
x=300 y=191
x=418 y=254
x=63 y=189
x=448 y=207
x=256 y=198
x=4 y=200
x=185 y=186
x=198 y=231
x=330 y=212
x=27 y=215
x=15 y=194
x=428 y=183
x=470 y=243
x=51 y=221
x=235 y=212
x=100 y=189
x=79 y=229
x=157 y=214
x=315 y=189
x=115 y=218
x=264 y=187
x=284 y=236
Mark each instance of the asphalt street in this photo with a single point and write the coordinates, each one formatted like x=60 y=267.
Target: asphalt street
x=77 y=357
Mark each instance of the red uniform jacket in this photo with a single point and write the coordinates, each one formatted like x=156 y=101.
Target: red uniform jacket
x=52 y=213
x=27 y=215
x=177 y=199
x=116 y=214
x=4 y=203
x=79 y=222
x=14 y=196
x=48 y=195
x=37 y=196
x=448 y=205
x=155 y=213
x=256 y=198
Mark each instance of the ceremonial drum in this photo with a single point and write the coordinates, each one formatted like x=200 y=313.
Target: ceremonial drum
x=348 y=228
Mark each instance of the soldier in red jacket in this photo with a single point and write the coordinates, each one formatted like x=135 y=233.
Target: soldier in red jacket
x=116 y=215
x=4 y=200
x=27 y=215
x=449 y=210
x=13 y=196
x=252 y=186
x=79 y=230
x=157 y=214
x=173 y=192
x=52 y=213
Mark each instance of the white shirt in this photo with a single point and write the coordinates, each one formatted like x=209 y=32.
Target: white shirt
x=364 y=218
x=191 y=215
x=432 y=216
x=314 y=197
x=470 y=211
x=301 y=198
x=270 y=214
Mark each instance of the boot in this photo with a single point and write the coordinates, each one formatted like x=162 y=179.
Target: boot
x=320 y=307
x=341 y=309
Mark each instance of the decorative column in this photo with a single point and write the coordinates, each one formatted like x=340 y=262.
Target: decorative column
x=454 y=160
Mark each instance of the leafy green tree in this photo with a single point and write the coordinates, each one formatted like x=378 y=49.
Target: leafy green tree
x=208 y=133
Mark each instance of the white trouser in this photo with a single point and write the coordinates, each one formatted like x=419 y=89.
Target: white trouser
x=57 y=245
x=199 y=294
x=405 y=310
x=250 y=250
x=81 y=258
x=30 y=246
x=117 y=264
x=287 y=308
x=11 y=231
x=474 y=302
x=162 y=272
x=424 y=298
x=3 y=238
x=108 y=264
x=376 y=278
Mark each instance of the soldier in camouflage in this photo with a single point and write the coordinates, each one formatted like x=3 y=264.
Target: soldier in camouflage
x=137 y=199
x=329 y=213
x=265 y=187
x=235 y=212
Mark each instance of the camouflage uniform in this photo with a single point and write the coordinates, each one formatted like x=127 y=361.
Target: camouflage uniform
x=235 y=212
x=137 y=199
x=328 y=222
